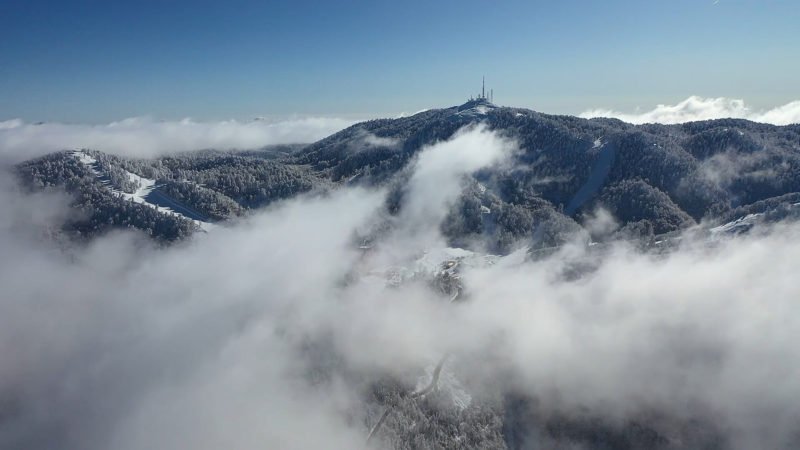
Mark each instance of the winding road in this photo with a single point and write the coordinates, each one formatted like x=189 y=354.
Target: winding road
x=414 y=395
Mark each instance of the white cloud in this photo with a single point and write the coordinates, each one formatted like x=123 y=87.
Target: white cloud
x=699 y=108
x=364 y=140
x=145 y=137
x=436 y=180
x=212 y=344
x=377 y=141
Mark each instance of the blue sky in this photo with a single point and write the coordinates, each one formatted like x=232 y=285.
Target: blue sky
x=97 y=61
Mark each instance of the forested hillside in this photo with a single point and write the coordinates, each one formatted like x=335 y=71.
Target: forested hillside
x=208 y=186
x=662 y=178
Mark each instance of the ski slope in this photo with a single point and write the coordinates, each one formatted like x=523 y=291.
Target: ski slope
x=597 y=177
x=146 y=194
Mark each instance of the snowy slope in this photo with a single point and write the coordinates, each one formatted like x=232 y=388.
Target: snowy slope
x=146 y=187
x=475 y=109
x=597 y=177
x=738 y=225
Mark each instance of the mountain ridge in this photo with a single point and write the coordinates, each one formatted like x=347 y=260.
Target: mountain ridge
x=659 y=177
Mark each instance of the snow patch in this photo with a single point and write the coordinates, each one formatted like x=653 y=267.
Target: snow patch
x=477 y=110
x=514 y=259
x=432 y=259
x=738 y=224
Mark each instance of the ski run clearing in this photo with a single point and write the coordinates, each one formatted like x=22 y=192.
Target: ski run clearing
x=146 y=186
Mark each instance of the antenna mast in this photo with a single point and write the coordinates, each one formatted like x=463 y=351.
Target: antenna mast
x=483 y=88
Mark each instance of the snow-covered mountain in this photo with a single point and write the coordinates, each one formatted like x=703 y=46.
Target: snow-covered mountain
x=652 y=179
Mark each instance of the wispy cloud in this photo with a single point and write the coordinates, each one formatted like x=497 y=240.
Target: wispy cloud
x=436 y=181
x=699 y=108
x=145 y=137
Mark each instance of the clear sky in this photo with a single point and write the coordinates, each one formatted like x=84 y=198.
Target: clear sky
x=97 y=61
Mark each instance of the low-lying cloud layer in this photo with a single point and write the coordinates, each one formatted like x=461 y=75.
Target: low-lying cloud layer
x=699 y=108
x=211 y=344
x=145 y=137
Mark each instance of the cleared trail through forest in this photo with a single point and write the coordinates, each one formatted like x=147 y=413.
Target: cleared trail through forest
x=147 y=193
x=597 y=177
